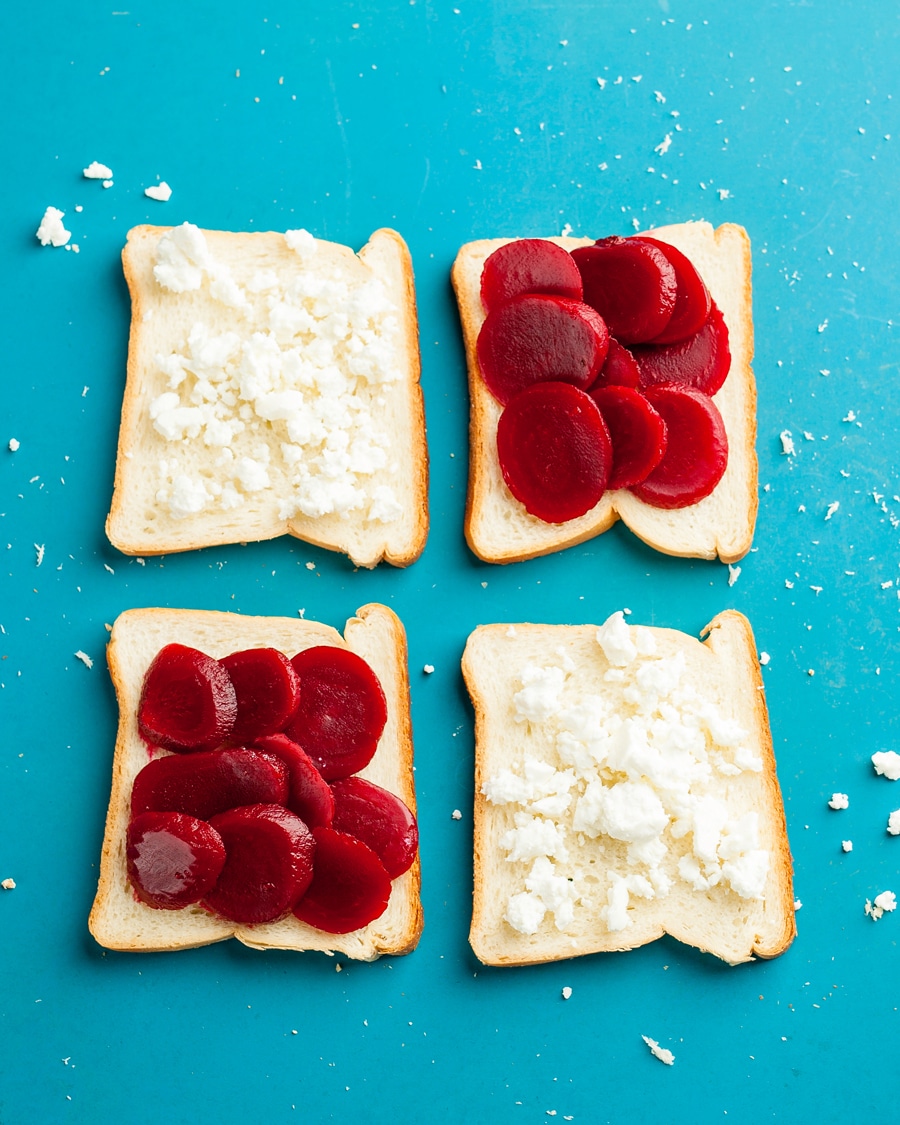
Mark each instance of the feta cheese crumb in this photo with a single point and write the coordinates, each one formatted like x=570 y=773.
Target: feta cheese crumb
x=428 y=669
x=847 y=845
x=887 y=764
x=798 y=905
x=51 y=232
x=97 y=171
x=787 y=443
x=14 y=444
x=614 y=638
x=456 y=815
x=839 y=801
x=301 y=242
x=832 y=508
x=567 y=993
x=734 y=573
x=8 y=884
x=764 y=658
x=84 y=658
x=886 y=901
x=893 y=825
x=39 y=553
x=662 y=1053
x=160 y=192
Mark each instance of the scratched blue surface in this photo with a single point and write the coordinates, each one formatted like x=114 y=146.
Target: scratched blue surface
x=453 y=123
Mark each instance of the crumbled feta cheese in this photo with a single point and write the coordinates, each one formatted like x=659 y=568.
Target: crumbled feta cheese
x=161 y=192
x=8 y=884
x=884 y=903
x=428 y=669
x=734 y=573
x=614 y=637
x=456 y=815
x=84 y=658
x=764 y=658
x=39 y=553
x=787 y=443
x=567 y=993
x=14 y=444
x=301 y=242
x=539 y=696
x=832 y=508
x=839 y=801
x=893 y=826
x=97 y=171
x=51 y=232
x=887 y=764
x=847 y=845
x=662 y=1053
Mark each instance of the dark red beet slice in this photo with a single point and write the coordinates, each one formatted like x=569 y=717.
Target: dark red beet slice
x=309 y=794
x=268 y=863
x=187 y=702
x=267 y=691
x=631 y=284
x=619 y=370
x=534 y=339
x=702 y=362
x=342 y=710
x=637 y=432
x=692 y=299
x=696 y=452
x=529 y=265
x=173 y=859
x=379 y=819
x=554 y=451
x=350 y=887
x=209 y=782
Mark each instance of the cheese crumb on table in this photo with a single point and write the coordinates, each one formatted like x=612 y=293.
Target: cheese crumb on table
x=160 y=192
x=456 y=815
x=8 y=884
x=97 y=171
x=428 y=669
x=764 y=658
x=787 y=443
x=84 y=658
x=566 y=993
x=13 y=444
x=662 y=1053
x=893 y=825
x=839 y=801
x=887 y=764
x=885 y=902
x=847 y=845
x=51 y=232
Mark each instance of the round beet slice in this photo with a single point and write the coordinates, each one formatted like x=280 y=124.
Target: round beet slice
x=701 y=362
x=342 y=710
x=696 y=451
x=692 y=299
x=309 y=794
x=535 y=338
x=637 y=432
x=268 y=863
x=620 y=368
x=209 y=782
x=267 y=691
x=379 y=819
x=554 y=451
x=187 y=702
x=173 y=859
x=631 y=284
x=528 y=265
x=350 y=887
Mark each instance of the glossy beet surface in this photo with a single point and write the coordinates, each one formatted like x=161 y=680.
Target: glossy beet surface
x=342 y=710
x=692 y=300
x=619 y=369
x=268 y=865
x=267 y=691
x=173 y=859
x=529 y=265
x=637 y=433
x=536 y=338
x=350 y=886
x=187 y=702
x=309 y=794
x=631 y=284
x=554 y=451
x=701 y=362
x=697 y=450
x=379 y=819
x=209 y=782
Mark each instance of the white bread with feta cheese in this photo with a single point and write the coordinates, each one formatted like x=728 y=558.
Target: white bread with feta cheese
x=118 y=919
x=499 y=529
x=219 y=486
x=720 y=682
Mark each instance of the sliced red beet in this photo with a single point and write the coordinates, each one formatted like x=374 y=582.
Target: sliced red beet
x=631 y=284
x=620 y=368
x=209 y=782
x=267 y=691
x=554 y=451
x=637 y=432
x=269 y=863
x=697 y=449
x=342 y=710
x=692 y=300
x=309 y=794
x=187 y=702
x=173 y=859
x=536 y=338
x=350 y=887
x=529 y=265
x=702 y=362
x=378 y=818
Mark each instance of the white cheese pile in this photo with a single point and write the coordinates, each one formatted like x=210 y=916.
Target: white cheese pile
x=287 y=397
x=629 y=772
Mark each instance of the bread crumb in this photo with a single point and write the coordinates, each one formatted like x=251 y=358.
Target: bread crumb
x=84 y=658
x=39 y=553
x=839 y=801
x=8 y=884
x=456 y=815
x=832 y=508
x=338 y=967
x=662 y=1053
x=787 y=443
x=160 y=192
x=847 y=845
x=428 y=669
x=310 y=566
x=566 y=993
x=13 y=444
x=734 y=573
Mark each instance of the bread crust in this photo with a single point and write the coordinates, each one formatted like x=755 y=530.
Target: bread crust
x=118 y=920
x=497 y=526
x=728 y=651
x=387 y=256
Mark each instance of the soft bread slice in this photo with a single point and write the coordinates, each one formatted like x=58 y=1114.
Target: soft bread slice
x=499 y=529
x=724 y=670
x=142 y=523
x=118 y=919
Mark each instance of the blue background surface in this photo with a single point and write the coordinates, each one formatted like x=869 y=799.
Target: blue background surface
x=454 y=123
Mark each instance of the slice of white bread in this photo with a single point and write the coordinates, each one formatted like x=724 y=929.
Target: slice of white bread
x=256 y=300
x=499 y=529
x=118 y=919
x=651 y=728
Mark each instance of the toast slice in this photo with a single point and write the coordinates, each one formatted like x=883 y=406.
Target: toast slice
x=625 y=788
x=118 y=919
x=272 y=388
x=499 y=529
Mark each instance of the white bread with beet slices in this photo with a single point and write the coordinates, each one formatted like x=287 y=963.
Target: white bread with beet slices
x=118 y=919
x=722 y=677
x=499 y=529
x=144 y=518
